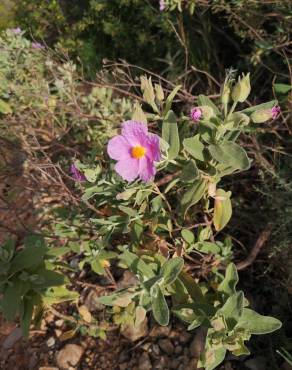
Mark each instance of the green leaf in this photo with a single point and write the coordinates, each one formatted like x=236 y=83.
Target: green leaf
x=194 y=147
x=170 y=134
x=10 y=303
x=222 y=209
x=159 y=306
x=48 y=279
x=171 y=269
x=30 y=256
x=231 y=154
x=207 y=247
x=58 y=294
x=282 y=88
x=4 y=107
x=232 y=309
x=189 y=172
x=204 y=100
x=26 y=316
x=258 y=324
x=230 y=281
x=193 y=195
x=170 y=99
x=188 y=236
x=192 y=287
x=121 y=299
x=267 y=105
x=57 y=251
x=213 y=358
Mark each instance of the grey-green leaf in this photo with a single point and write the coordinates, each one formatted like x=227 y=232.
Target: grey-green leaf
x=193 y=195
x=258 y=324
x=171 y=269
x=230 y=281
x=231 y=154
x=232 y=309
x=190 y=172
x=159 y=306
x=170 y=134
x=194 y=147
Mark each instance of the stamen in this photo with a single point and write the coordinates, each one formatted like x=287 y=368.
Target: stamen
x=138 y=151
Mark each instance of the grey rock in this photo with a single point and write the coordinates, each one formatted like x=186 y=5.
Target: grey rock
x=12 y=338
x=160 y=331
x=166 y=346
x=144 y=362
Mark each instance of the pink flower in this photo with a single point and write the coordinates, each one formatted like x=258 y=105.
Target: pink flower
x=37 y=45
x=16 y=31
x=162 y=5
x=76 y=173
x=136 y=150
x=275 y=112
x=196 y=114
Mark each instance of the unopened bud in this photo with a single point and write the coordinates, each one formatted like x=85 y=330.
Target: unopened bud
x=263 y=115
x=225 y=95
x=241 y=90
x=202 y=112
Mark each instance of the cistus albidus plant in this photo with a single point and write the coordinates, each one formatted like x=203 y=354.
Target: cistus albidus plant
x=162 y=210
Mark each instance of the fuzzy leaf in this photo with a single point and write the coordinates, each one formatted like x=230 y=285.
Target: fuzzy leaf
x=231 y=154
x=171 y=269
x=159 y=306
x=194 y=147
x=170 y=134
x=230 y=281
x=258 y=324
x=222 y=209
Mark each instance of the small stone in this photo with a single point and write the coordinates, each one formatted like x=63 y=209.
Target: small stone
x=155 y=349
x=178 y=350
x=12 y=338
x=123 y=366
x=144 y=362
x=58 y=332
x=166 y=346
x=146 y=346
x=185 y=337
x=70 y=355
x=193 y=364
x=160 y=331
x=48 y=368
x=198 y=343
x=59 y=323
x=51 y=342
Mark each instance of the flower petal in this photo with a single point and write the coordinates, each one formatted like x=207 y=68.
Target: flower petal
x=135 y=132
x=153 y=147
x=118 y=148
x=128 y=169
x=147 y=169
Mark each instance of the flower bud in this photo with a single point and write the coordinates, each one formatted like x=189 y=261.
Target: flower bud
x=263 y=115
x=241 y=89
x=202 y=112
x=225 y=94
x=196 y=114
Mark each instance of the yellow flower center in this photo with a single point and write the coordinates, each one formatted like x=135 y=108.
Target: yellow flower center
x=138 y=151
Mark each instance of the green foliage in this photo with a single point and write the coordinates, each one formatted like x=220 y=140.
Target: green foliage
x=27 y=275
x=152 y=229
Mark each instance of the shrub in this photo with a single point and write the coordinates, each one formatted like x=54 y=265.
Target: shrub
x=161 y=219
